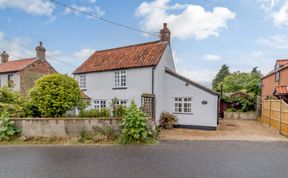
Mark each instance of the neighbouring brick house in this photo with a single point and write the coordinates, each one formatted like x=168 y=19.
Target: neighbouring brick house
x=21 y=74
x=275 y=83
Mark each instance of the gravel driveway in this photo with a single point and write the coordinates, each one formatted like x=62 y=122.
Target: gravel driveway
x=227 y=130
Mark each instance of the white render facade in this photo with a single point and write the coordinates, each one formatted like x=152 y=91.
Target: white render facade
x=14 y=77
x=194 y=105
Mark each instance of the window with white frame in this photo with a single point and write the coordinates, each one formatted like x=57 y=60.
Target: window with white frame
x=121 y=102
x=82 y=81
x=183 y=105
x=120 y=78
x=99 y=104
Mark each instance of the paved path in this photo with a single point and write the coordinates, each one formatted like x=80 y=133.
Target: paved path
x=169 y=159
x=246 y=130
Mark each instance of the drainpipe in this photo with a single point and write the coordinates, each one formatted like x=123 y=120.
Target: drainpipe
x=154 y=102
x=153 y=68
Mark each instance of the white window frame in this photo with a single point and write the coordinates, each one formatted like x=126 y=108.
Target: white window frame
x=120 y=78
x=183 y=105
x=99 y=104
x=122 y=102
x=82 y=81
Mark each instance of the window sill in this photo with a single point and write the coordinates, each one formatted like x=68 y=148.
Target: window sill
x=83 y=89
x=119 y=88
x=183 y=113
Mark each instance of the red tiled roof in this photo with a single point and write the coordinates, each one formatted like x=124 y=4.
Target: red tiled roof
x=133 y=56
x=282 y=90
x=17 y=65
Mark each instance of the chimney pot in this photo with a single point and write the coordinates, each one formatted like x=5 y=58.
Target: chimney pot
x=4 y=57
x=165 y=34
x=40 y=51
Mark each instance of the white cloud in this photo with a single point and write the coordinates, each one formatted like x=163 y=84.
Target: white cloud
x=280 y=17
x=201 y=76
x=95 y=10
x=276 y=41
x=15 y=47
x=83 y=54
x=211 y=57
x=53 y=54
x=93 y=1
x=277 y=10
x=187 y=21
x=35 y=7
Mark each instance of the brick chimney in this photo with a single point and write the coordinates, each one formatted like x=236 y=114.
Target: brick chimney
x=165 y=33
x=40 y=51
x=4 y=57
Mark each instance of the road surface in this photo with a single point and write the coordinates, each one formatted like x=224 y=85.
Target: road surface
x=167 y=159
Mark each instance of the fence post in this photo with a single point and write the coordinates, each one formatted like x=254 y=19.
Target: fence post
x=280 y=117
x=268 y=119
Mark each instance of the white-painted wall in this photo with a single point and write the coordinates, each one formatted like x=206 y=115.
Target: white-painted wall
x=159 y=80
x=139 y=80
x=100 y=85
x=202 y=115
x=15 y=78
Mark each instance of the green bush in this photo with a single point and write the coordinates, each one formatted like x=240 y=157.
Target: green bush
x=95 y=113
x=7 y=127
x=240 y=103
x=117 y=110
x=134 y=125
x=55 y=94
x=167 y=120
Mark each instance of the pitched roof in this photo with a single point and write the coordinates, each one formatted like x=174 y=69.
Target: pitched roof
x=15 y=66
x=133 y=56
x=281 y=90
x=283 y=63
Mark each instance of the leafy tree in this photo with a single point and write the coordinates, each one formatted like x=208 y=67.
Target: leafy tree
x=55 y=94
x=134 y=125
x=241 y=81
x=223 y=72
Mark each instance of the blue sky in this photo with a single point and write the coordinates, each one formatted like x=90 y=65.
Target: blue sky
x=205 y=33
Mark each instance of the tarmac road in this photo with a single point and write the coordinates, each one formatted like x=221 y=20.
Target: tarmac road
x=167 y=159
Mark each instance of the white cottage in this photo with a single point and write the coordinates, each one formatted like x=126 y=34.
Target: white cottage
x=146 y=74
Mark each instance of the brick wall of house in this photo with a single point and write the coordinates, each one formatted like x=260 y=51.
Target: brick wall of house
x=269 y=84
x=30 y=74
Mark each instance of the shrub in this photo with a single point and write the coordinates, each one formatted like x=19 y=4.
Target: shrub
x=167 y=120
x=7 y=95
x=240 y=103
x=117 y=110
x=55 y=94
x=95 y=113
x=7 y=127
x=134 y=125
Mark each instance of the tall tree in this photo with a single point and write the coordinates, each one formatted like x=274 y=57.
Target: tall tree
x=223 y=72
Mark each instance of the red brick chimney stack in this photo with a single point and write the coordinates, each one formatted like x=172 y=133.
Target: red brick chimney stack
x=165 y=34
x=40 y=51
x=4 y=57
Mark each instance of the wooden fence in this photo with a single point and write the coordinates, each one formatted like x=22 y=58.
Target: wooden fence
x=275 y=115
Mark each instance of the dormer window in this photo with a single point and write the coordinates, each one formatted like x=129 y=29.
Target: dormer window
x=120 y=79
